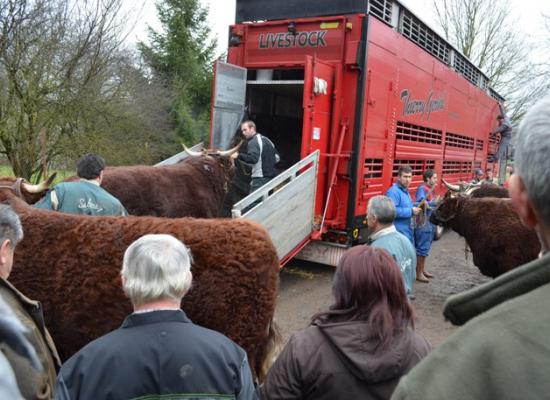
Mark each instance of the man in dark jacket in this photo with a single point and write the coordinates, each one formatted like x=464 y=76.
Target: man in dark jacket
x=260 y=155
x=85 y=196
x=504 y=129
x=34 y=381
x=502 y=351
x=157 y=352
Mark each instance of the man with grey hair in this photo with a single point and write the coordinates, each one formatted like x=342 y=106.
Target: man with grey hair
x=157 y=352
x=35 y=379
x=501 y=352
x=383 y=234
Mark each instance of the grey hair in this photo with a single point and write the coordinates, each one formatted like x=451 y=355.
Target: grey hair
x=156 y=267
x=382 y=208
x=10 y=225
x=531 y=161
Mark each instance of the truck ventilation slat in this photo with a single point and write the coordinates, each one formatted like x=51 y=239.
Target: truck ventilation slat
x=417 y=133
x=423 y=36
x=461 y=141
x=479 y=144
x=456 y=167
x=466 y=69
x=373 y=168
x=381 y=9
x=418 y=166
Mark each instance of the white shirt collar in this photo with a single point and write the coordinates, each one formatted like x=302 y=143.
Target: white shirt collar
x=383 y=232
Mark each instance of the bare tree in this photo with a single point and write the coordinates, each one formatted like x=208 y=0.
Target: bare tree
x=55 y=73
x=486 y=32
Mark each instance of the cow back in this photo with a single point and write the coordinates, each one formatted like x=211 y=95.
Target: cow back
x=195 y=187
x=72 y=265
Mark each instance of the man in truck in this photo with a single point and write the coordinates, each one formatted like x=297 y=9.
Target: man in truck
x=504 y=129
x=260 y=154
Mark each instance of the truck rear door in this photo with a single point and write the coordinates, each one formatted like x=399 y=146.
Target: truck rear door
x=228 y=103
x=317 y=104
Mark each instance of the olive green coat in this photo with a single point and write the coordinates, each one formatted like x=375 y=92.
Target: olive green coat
x=503 y=350
x=33 y=384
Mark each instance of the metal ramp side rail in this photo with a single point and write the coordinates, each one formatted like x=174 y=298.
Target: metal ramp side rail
x=285 y=207
x=182 y=155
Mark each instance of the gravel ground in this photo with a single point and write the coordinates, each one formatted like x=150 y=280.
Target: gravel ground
x=305 y=289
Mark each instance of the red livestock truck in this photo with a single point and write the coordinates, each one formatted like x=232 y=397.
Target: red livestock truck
x=366 y=86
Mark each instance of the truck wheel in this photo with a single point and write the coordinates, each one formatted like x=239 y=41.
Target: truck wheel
x=439 y=230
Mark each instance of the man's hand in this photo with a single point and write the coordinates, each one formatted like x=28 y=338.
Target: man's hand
x=416 y=210
x=234 y=156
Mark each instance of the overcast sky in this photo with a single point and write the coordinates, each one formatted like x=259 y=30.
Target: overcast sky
x=222 y=14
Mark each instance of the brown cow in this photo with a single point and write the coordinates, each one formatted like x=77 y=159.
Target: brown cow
x=490 y=190
x=492 y=229
x=194 y=187
x=71 y=264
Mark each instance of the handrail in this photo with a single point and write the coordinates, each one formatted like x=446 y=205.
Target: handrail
x=268 y=190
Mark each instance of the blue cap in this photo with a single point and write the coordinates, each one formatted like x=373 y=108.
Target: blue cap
x=478 y=171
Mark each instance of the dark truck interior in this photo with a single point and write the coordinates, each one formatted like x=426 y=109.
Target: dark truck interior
x=275 y=105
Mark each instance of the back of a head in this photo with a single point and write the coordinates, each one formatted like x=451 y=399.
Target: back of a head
x=10 y=225
x=90 y=166
x=531 y=161
x=369 y=284
x=382 y=208
x=156 y=267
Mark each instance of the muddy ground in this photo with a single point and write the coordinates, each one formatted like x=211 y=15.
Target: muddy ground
x=305 y=289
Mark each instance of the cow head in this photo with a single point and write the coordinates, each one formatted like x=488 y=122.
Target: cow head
x=11 y=187
x=223 y=157
x=447 y=209
x=478 y=189
x=462 y=187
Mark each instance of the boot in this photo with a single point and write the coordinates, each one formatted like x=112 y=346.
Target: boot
x=420 y=277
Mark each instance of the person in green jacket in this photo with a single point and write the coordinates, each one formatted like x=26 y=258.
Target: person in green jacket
x=503 y=349
x=85 y=196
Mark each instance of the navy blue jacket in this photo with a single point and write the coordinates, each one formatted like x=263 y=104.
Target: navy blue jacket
x=157 y=353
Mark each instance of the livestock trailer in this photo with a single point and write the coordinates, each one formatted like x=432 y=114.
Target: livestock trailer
x=364 y=85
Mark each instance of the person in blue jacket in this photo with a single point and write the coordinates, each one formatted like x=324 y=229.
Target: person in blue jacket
x=405 y=209
x=382 y=234
x=424 y=230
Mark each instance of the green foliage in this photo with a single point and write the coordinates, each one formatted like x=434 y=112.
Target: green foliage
x=181 y=55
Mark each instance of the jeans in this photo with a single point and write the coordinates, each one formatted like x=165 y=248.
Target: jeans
x=257 y=183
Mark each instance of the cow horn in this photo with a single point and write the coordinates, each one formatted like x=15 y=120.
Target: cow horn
x=472 y=189
x=191 y=152
x=454 y=188
x=227 y=153
x=40 y=187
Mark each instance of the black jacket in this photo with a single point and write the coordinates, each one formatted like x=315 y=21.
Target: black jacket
x=157 y=353
x=261 y=155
